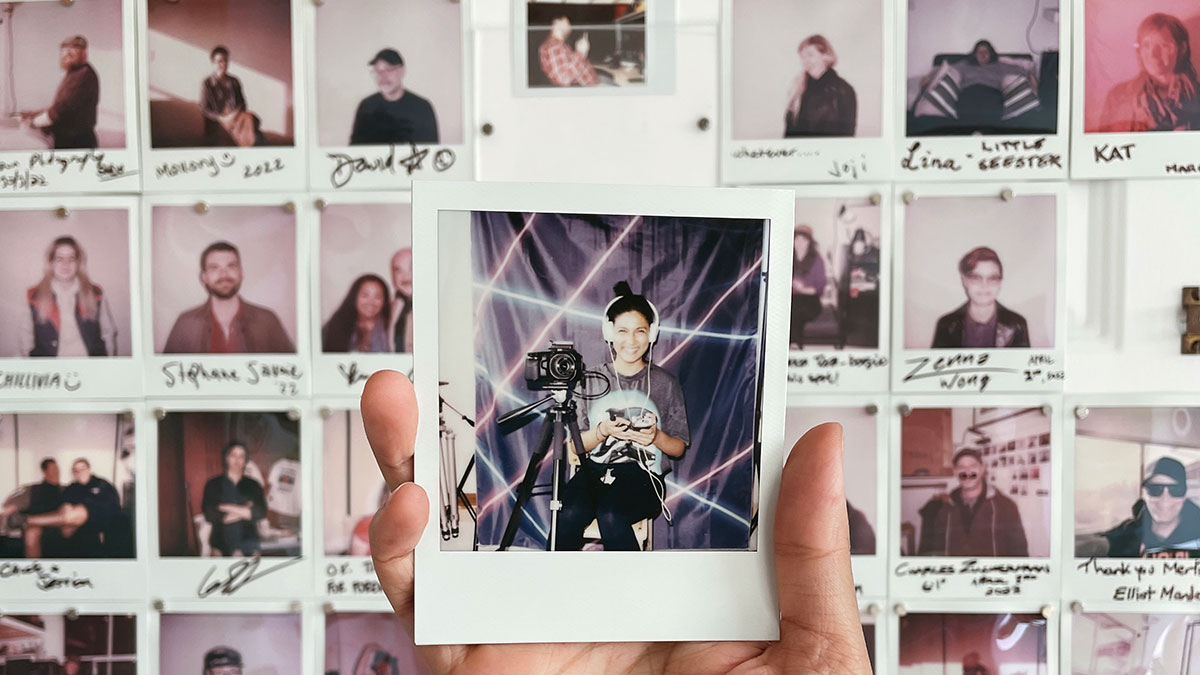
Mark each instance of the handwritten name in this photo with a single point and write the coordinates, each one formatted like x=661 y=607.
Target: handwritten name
x=210 y=165
x=849 y=168
x=80 y=162
x=237 y=576
x=1105 y=154
x=196 y=373
x=352 y=374
x=68 y=381
x=346 y=167
x=45 y=578
x=958 y=371
x=915 y=160
x=991 y=579
x=771 y=153
x=338 y=584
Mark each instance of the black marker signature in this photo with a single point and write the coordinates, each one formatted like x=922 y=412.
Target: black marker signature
x=347 y=166
x=352 y=374
x=240 y=573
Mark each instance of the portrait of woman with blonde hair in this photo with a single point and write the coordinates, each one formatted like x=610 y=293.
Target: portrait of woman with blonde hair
x=820 y=103
x=68 y=314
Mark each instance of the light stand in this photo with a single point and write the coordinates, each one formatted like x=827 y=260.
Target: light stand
x=451 y=493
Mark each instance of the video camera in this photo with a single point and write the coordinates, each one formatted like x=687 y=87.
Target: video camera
x=557 y=369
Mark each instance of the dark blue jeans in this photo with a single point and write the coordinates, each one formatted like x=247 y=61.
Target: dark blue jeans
x=615 y=506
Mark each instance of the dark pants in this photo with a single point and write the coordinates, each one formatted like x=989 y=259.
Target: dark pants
x=74 y=139
x=805 y=308
x=615 y=506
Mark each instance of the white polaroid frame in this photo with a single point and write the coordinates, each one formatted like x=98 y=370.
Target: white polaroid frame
x=457 y=597
x=83 y=170
x=984 y=581
x=94 y=377
x=122 y=607
x=661 y=24
x=875 y=610
x=85 y=579
x=338 y=578
x=152 y=662
x=198 y=375
x=809 y=160
x=218 y=582
x=316 y=624
x=388 y=167
x=256 y=169
x=970 y=370
x=1047 y=607
x=870 y=571
x=1145 y=154
x=1070 y=610
x=850 y=370
x=1120 y=581
x=991 y=157
x=344 y=374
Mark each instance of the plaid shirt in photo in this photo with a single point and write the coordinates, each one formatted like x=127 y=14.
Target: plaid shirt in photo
x=565 y=66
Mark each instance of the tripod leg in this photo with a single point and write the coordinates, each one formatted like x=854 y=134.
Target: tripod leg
x=525 y=491
x=556 y=482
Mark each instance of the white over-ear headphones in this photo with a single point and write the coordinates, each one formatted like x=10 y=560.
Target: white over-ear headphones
x=610 y=331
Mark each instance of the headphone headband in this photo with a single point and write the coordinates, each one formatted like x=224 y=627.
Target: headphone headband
x=609 y=330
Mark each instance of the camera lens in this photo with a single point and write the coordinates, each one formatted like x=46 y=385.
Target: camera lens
x=563 y=367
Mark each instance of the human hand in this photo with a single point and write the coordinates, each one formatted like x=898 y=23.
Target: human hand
x=615 y=428
x=583 y=45
x=820 y=631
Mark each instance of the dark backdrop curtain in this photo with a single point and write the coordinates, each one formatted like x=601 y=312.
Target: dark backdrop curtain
x=703 y=275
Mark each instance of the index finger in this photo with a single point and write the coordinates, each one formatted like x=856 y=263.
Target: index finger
x=389 y=412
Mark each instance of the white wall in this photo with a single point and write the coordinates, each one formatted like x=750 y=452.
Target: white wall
x=456 y=347
x=38 y=30
x=265 y=237
x=358 y=239
x=765 y=37
x=428 y=35
x=269 y=643
x=25 y=237
x=938 y=231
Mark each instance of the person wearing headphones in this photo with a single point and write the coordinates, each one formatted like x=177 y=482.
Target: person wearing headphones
x=630 y=426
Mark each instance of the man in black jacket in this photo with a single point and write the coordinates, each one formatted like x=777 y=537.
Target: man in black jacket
x=71 y=118
x=981 y=323
x=1165 y=523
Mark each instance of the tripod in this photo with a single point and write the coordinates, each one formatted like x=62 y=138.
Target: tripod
x=560 y=420
x=450 y=493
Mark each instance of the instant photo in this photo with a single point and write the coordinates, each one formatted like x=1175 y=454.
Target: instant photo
x=979 y=291
x=391 y=93
x=974 y=644
x=1138 y=96
x=1136 y=522
x=230 y=643
x=839 y=315
x=864 y=460
x=67 y=299
x=807 y=90
x=67 y=517
x=352 y=490
x=369 y=642
x=83 y=644
x=362 y=312
x=985 y=92
x=974 y=514
x=222 y=103
x=601 y=48
x=870 y=628
x=587 y=324
x=1116 y=642
x=224 y=305
x=230 y=519
x=68 y=106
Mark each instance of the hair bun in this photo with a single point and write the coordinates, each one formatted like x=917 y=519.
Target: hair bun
x=622 y=288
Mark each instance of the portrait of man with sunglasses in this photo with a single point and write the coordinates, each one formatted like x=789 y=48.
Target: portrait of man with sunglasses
x=1165 y=523
x=974 y=520
x=981 y=322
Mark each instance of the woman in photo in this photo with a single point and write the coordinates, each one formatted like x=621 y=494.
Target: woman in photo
x=1164 y=95
x=808 y=283
x=821 y=103
x=360 y=323
x=233 y=504
x=633 y=421
x=981 y=322
x=69 y=316
x=226 y=118
x=1165 y=523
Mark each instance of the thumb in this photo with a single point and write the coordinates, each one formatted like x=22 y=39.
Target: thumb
x=819 y=612
x=395 y=530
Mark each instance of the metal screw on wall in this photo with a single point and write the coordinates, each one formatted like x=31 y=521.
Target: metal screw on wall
x=703 y=124
x=487 y=129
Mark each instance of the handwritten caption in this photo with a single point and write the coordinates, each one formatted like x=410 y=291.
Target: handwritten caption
x=214 y=165
x=341 y=578
x=1164 y=578
x=45 y=576
x=992 y=579
x=41 y=168
x=351 y=374
x=346 y=166
x=976 y=371
x=824 y=369
x=52 y=381
x=844 y=168
x=987 y=156
x=237 y=576
x=283 y=376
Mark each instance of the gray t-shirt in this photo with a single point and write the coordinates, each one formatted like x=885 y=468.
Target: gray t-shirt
x=650 y=390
